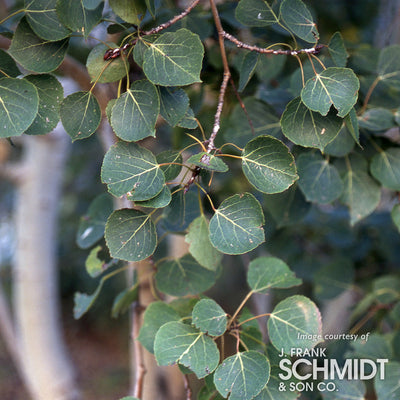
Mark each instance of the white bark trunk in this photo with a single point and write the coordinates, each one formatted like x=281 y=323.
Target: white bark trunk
x=46 y=367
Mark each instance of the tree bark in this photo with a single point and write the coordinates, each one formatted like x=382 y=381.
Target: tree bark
x=46 y=367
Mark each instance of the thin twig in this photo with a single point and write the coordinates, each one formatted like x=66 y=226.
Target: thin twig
x=172 y=20
x=312 y=50
x=244 y=301
x=140 y=369
x=187 y=388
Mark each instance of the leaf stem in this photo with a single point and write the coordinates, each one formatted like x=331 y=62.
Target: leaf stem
x=241 y=305
x=369 y=93
x=253 y=318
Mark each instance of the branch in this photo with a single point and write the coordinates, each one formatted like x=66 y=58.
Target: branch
x=140 y=369
x=187 y=388
x=313 y=50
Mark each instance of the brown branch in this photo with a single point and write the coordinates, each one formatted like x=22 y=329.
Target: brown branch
x=140 y=369
x=187 y=388
x=173 y=20
x=312 y=50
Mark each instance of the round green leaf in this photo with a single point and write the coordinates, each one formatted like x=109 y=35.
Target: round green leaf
x=102 y=71
x=51 y=94
x=385 y=167
x=337 y=50
x=242 y=375
x=19 y=103
x=208 y=161
x=319 y=181
x=183 y=276
x=129 y=11
x=333 y=279
x=209 y=317
x=123 y=302
x=135 y=113
x=389 y=65
x=237 y=225
x=75 y=16
x=178 y=342
x=130 y=235
x=295 y=323
x=255 y=13
x=92 y=225
x=263 y=117
x=43 y=19
x=173 y=163
x=189 y=120
x=83 y=302
x=333 y=86
x=174 y=102
x=200 y=246
x=80 y=115
x=377 y=120
x=395 y=214
x=8 y=67
x=36 y=54
x=307 y=128
x=299 y=20
x=265 y=273
x=130 y=169
x=341 y=145
x=159 y=201
x=268 y=165
x=174 y=59
x=156 y=315
x=247 y=68
x=90 y=4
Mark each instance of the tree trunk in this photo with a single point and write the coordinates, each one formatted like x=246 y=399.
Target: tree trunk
x=47 y=370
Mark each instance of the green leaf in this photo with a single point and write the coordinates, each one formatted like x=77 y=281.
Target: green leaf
x=385 y=167
x=389 y=65
x=247 y=68
x=346 y=390
x=387 y=289
x=375 y=347
x=129 y=398
x=43 y=19
x=19 y=103
x=337 y=50
x=102 y=71
x=182 y=210
x=342 y=145
x=174 y=59
x=141 y=46
x=91 y=4
x=36 y=54
x=351 y=122
x=307 y=128
x=237 y=225
x=200 y=246
x=92 y=224
x=269 y=66
x=135 y=113
x=130 y=169
x=129 y=11
x=263 y=117
x=80 y=115
x=189 y=120
x=395 y=214
x=156 y=315
x=333 y=279
x=388 y=388
x=93 y=264
x=288 y=207
x=124 y=300
x=361 y=193
x=268 y=165
x=273 y=390
x=377 y=120
x=8 y=67
x=265 y=273
x=174 y=102
x=51 y=94
x=83 y=301
x=333 y=86
x=159 y=201
x=76 y=17
x=255 y=13
x=242 y=375
x=178 y=342
x=299 y=20
x=295 y=323
x=208 y=161
x=173 y=161
x=209 y=317
x=319 y=181
x=183 y=276
x=130 y=235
